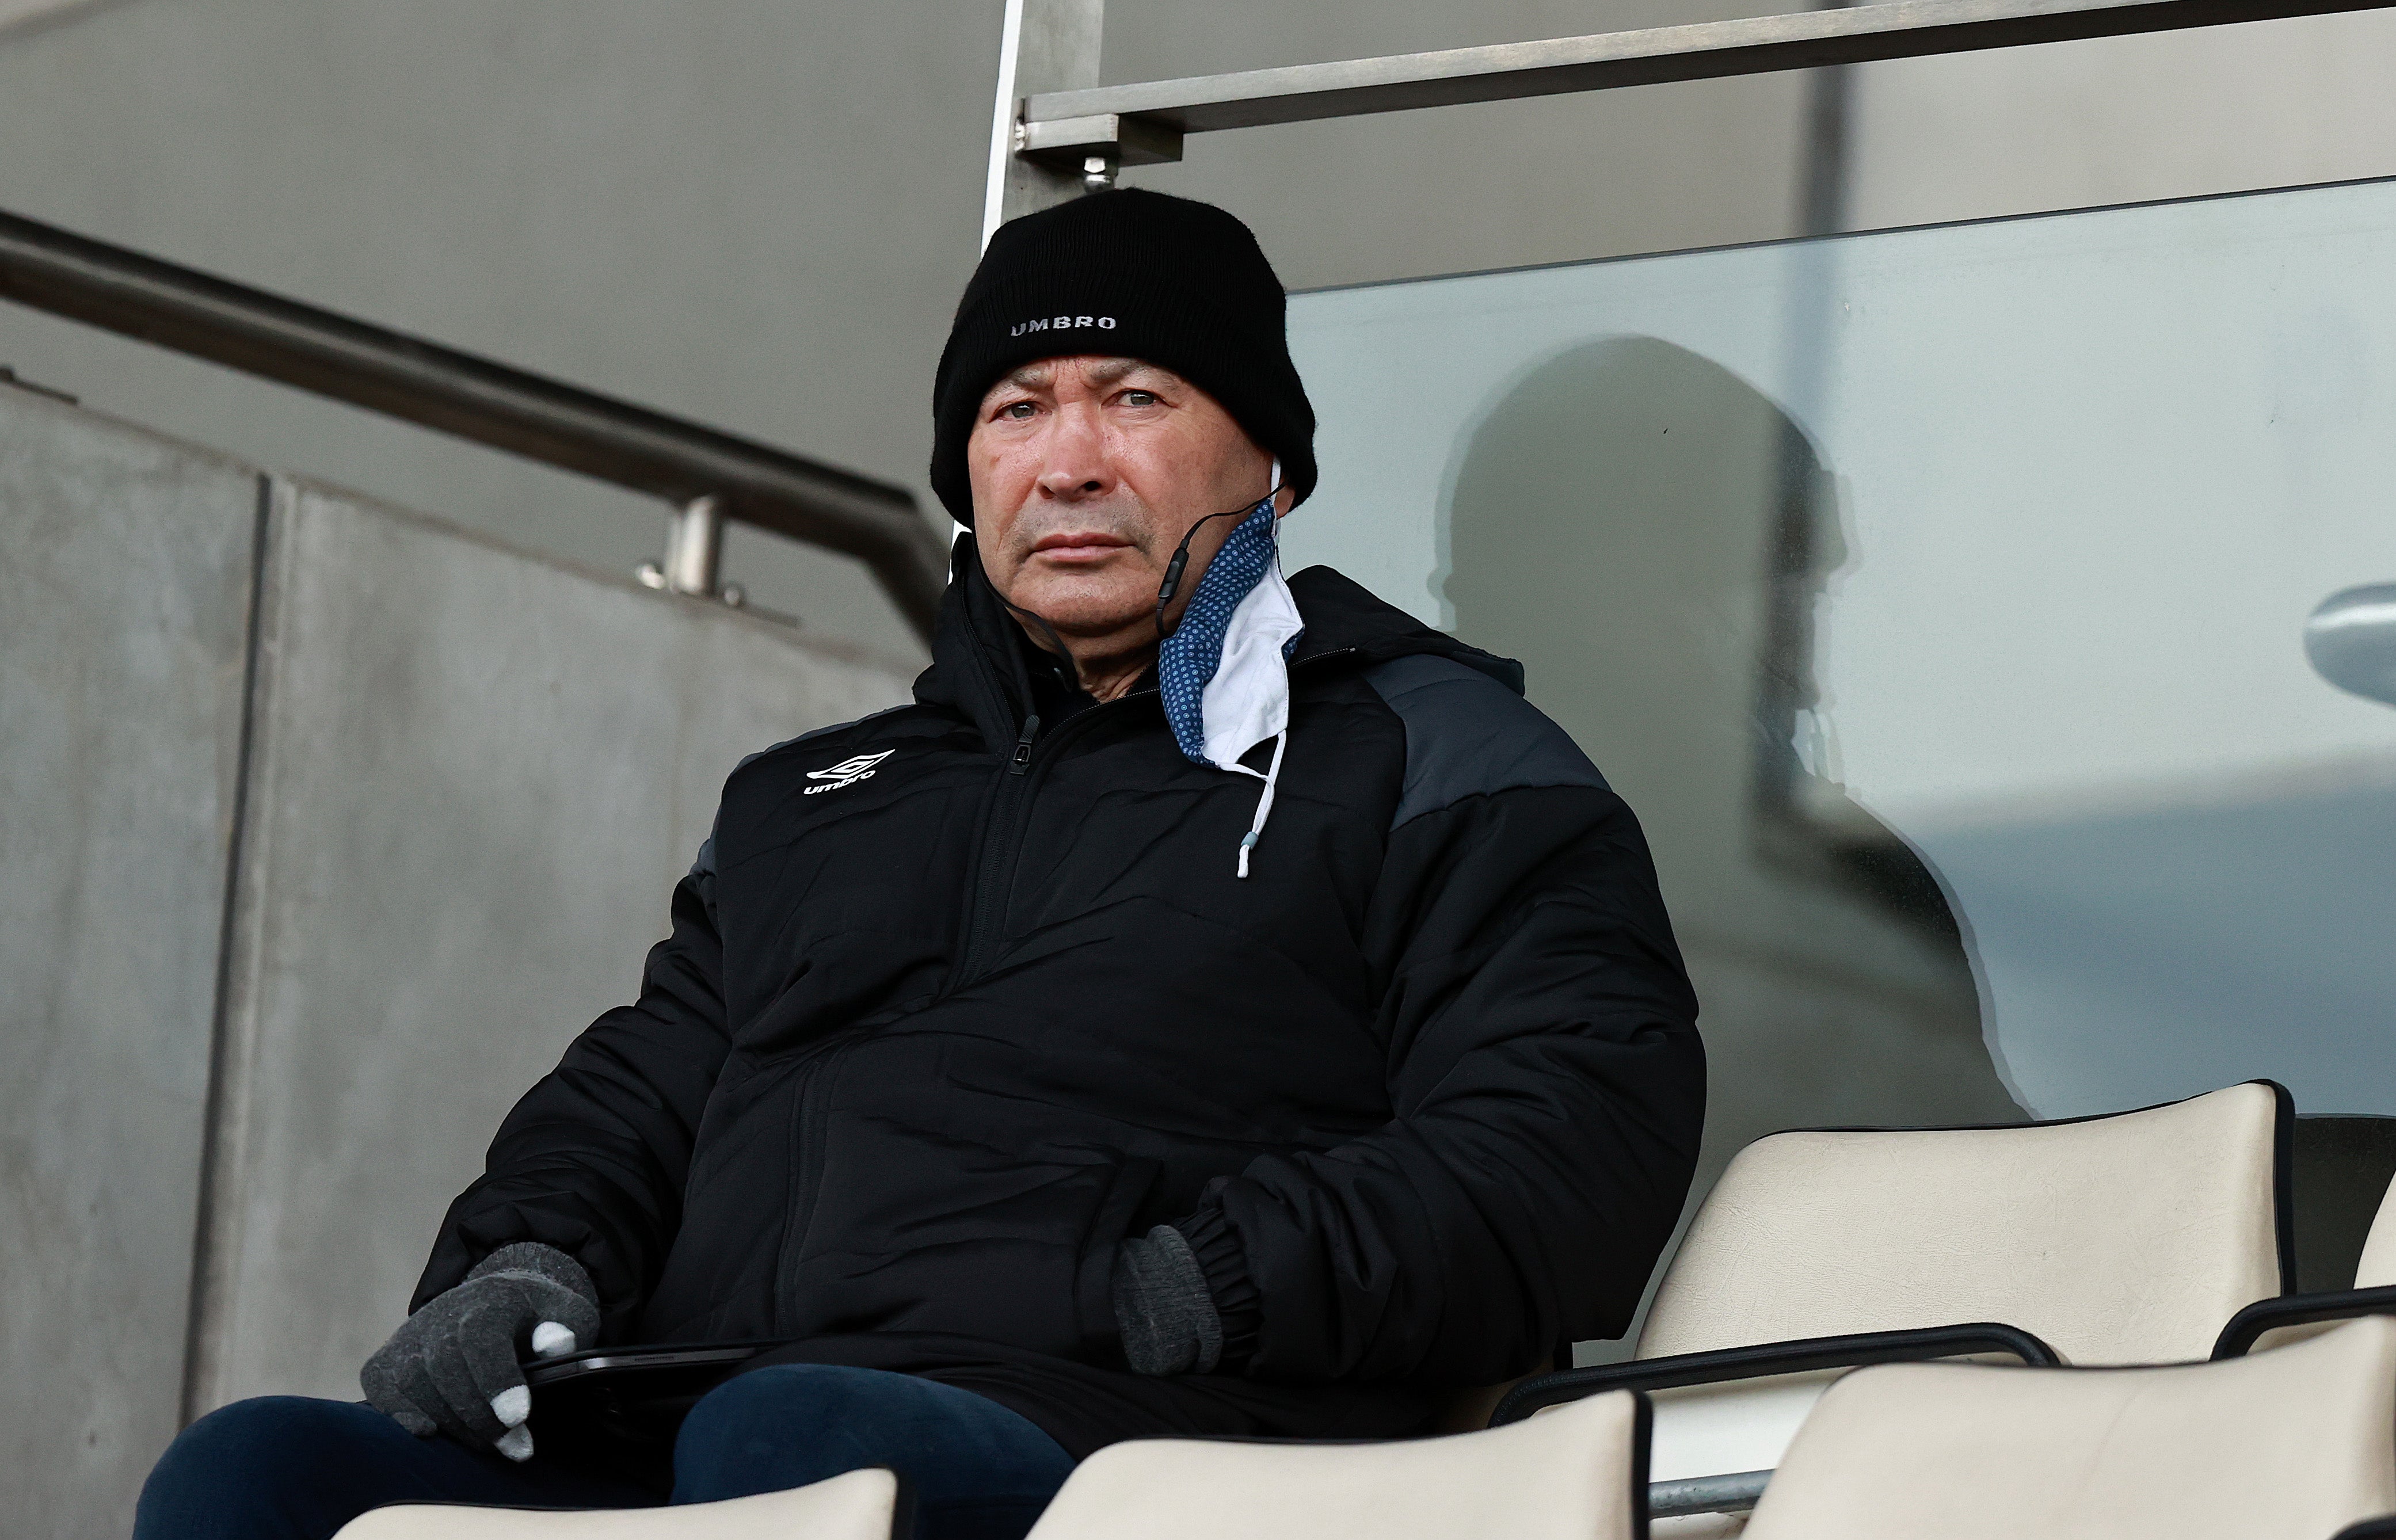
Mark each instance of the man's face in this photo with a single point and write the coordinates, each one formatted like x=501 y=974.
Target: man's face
x=1086 y=471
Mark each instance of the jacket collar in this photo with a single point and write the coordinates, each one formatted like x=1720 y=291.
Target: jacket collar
x=978 y=667
x=1344 y=617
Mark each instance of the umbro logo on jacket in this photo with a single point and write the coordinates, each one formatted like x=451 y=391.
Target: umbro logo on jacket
x=846 y=773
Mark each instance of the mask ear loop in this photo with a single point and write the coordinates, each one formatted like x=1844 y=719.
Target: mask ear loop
x=1173 y=568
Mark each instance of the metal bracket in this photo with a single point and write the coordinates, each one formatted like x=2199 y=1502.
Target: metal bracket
x=693 y=555
x=1071 y=142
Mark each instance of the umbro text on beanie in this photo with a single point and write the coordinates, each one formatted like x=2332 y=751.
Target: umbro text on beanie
x=1126 y=275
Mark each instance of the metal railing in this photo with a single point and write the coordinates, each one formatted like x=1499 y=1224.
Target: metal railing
x=708 y=476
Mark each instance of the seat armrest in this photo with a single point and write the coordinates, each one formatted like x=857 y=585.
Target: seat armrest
x=2248 y=1325
x=1773 y=1358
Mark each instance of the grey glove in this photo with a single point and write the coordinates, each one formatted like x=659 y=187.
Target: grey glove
x=456 y=1366
x=1164 y=1308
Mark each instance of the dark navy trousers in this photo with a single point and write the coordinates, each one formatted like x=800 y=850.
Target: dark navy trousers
x=289 y=1467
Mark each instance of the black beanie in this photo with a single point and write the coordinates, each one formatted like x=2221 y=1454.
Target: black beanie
x=1126 y=275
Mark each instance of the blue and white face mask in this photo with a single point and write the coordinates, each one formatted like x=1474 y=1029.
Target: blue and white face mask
x=1224 y=672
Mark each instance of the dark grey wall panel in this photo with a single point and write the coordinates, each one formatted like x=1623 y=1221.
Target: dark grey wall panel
x=125 y=582
x=478 y=776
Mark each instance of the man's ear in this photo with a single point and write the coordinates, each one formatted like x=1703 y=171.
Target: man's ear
x=1284 y=500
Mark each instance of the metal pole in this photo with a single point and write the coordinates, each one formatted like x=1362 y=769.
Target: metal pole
x=1734 y=1492
x=1048 y=46
x=1822 y=191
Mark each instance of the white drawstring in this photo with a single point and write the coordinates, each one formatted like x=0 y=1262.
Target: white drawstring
x=1264 y=802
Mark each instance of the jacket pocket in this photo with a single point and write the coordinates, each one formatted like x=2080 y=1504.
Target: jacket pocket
x=1094 y=1271
x=1000 y=1253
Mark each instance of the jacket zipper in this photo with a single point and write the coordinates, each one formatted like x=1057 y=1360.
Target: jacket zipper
x=1017 y=785
x=1007 y=799
x=1000 y=851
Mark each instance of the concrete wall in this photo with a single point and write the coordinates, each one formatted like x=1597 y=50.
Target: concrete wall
x=473 y=778
x=478 y=777
x=2121 y=120
x=125 y=598
x=28 y=13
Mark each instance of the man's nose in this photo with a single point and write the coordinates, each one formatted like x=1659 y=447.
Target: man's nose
x=1075 y=462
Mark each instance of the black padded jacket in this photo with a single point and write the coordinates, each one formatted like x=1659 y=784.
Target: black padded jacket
x=951 y=1006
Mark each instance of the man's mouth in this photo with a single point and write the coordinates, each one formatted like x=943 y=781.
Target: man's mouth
x=1078 y=547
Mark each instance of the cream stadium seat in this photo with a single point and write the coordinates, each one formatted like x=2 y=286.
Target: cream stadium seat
x=2376 y=1268
x=863 y=1504
x=2294 y=1318
x=2295 y=1444
x=1578 y=1473
x=2124 y=1238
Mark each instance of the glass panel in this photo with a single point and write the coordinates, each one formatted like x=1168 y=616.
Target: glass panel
x=1940 y=599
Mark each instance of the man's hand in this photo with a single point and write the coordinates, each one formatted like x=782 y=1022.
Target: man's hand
x=1166 y=1316
x=456 y=1366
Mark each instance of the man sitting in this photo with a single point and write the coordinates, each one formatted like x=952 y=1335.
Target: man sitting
x=1217 y=1005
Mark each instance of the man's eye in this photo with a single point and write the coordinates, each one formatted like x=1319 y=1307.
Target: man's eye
x=1019 y=410
x=1139 y=398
